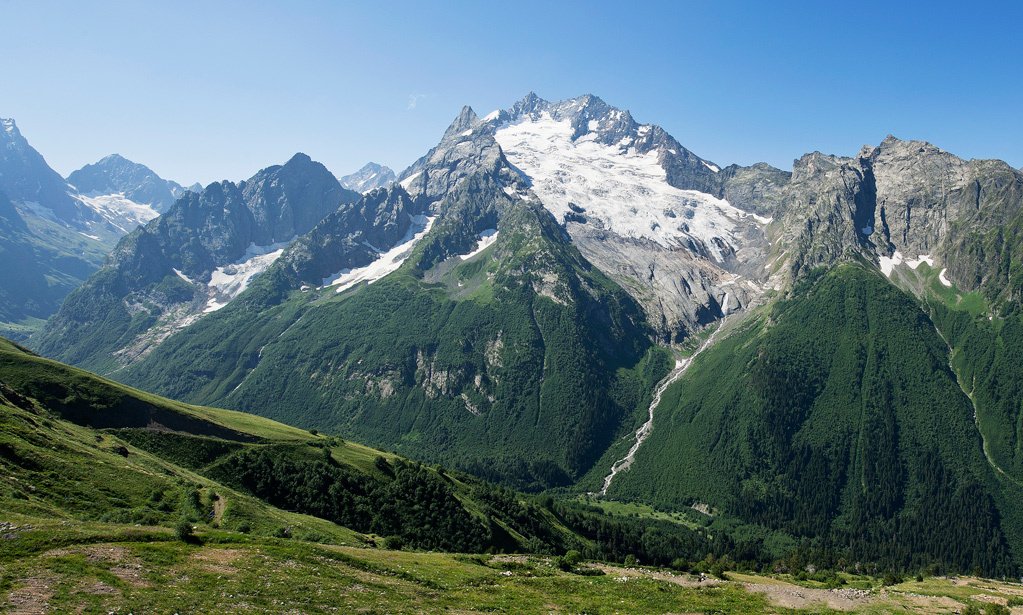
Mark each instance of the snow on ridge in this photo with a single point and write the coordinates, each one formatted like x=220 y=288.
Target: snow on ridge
x=487 y=239
x=619 y=189
x=229 y=281
x=405 y=183
x=389 y=261
x=493 y=115
x=712 y=167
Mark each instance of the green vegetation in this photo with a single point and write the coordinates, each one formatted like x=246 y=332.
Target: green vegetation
x=521 y=366
x=840 y=424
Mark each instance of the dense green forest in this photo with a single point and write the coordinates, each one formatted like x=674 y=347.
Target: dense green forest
x=833 y=415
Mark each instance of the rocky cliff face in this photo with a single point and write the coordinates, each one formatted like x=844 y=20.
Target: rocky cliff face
x=900 y=204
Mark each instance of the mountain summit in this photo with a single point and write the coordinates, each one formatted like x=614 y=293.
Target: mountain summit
x=369 y=177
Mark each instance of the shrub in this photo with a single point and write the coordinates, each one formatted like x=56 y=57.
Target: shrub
x=183 y=530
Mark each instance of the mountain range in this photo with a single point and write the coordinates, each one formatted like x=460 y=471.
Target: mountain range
x=56 y=233
x=509 y=304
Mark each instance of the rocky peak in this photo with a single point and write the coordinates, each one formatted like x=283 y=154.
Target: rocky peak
x=26 y=178
x=369 y=177
x=290 y=199
x=466 y=121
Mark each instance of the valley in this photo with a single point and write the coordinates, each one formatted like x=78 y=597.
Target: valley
x=558 y=363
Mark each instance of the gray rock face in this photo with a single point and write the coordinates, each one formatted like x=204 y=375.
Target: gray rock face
x=289 y=200
x=369 y=177
x=904 y=200
x=468 y=146
x=351 y=236
x=27 y=179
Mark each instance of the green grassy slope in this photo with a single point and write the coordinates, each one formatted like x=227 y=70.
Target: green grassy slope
x=834 y=415
x=80 y=448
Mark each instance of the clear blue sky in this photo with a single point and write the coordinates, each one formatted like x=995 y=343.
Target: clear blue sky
x=202 y=91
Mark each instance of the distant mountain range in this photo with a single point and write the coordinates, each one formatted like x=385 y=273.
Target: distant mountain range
x=508 y=305
x=59 y=231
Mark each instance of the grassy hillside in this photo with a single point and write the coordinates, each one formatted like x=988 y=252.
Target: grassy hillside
x=833 y=415
x=80 y=448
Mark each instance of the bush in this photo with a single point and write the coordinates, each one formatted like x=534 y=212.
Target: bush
x=573 y=557
x=394 y=543
x=630 y=560
x=891 y=579
x=183 y=530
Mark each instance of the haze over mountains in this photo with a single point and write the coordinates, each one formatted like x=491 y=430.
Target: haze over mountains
x=508 y=304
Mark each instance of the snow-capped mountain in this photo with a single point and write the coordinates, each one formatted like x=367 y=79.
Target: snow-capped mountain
x=369 y=177
x=639 y=206
x=124 y=192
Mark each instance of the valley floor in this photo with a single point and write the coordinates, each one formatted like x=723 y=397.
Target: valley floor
x=52 y=566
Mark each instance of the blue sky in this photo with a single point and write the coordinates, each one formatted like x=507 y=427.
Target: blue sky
x=202 y=91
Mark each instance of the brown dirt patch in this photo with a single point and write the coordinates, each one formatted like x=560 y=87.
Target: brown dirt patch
x=624 y=574
x=795 y=597
x=218 y=561
x=33 y=598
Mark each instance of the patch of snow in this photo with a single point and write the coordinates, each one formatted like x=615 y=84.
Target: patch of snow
x=40 y=210
x=623 y=191
x=119 y=210
x=888 y=264
x=8 y=125
x=867 y=230
x=388 y=261
x=487 y=239
x=493 y=115
x=926 y=258
x=183 y=276
x=763 y=219
x=467 y=133
x=89 y=236
x=712 y=167
x=229 y=281
x=644 y=129
x=405 y=183
x=943 y=279
x=511 y=191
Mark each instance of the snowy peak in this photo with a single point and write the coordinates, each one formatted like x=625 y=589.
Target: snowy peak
x=369 y=177
x=591 y=163
x=135 y=186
